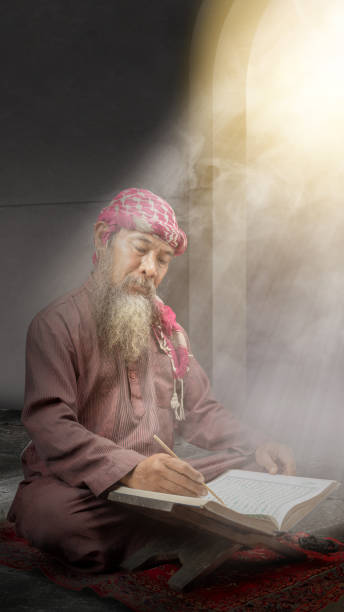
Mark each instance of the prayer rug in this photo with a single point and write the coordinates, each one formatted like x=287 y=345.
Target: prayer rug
x=256 y=579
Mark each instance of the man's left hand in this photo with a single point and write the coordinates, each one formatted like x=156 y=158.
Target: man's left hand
x=275 y=457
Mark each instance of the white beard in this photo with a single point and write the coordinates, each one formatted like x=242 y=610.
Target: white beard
x=129 y=325
x=124 y=319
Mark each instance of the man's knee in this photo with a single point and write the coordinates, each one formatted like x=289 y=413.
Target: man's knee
x=71 y=523
x=47 y=515
x=42 y=512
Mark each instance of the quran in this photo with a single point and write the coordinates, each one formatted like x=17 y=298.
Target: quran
x=253 y=500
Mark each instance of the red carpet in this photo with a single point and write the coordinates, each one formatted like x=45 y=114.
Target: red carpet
x=255 y=580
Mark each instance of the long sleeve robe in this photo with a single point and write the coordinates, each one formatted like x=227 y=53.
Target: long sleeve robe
x=90 y=423
x=73 y=410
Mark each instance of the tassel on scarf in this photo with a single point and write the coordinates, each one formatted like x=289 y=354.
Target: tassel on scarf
x=176 y=405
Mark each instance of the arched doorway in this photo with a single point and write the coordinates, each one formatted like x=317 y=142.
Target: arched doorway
x=268 y=171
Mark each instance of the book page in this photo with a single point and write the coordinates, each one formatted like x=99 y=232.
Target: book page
x=258 y=493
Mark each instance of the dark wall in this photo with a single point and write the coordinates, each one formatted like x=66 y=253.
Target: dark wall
x=86 y=85
x=92 y=99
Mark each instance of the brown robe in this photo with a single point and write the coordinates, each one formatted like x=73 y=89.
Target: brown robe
x=91 y=421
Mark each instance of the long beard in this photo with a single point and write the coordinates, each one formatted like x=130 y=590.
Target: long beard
x=124 y=319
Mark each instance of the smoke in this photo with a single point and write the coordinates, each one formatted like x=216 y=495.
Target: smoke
x=295 y=223
x=277 y=184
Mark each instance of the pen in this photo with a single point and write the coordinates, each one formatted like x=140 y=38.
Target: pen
x=170 y=452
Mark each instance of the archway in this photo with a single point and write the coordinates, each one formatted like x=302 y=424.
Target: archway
x=270 y=122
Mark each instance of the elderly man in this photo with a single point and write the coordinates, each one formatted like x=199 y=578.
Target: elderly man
x=107 y=368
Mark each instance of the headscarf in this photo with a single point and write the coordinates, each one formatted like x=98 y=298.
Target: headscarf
x=142 y=210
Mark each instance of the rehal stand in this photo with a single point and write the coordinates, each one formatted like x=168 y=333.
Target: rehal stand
x=198 y=539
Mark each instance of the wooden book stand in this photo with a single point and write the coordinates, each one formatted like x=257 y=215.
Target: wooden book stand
x=198 y=539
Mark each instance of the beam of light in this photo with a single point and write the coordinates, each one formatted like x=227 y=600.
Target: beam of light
x=295 y=186
x=278 y=219
x=295 y=92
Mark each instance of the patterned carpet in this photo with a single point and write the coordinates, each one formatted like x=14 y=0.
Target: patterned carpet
x=253 y=580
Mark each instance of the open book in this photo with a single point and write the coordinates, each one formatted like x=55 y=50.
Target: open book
x=262 y=502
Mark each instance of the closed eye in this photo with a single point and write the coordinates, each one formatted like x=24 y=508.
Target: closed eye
x=140 y=250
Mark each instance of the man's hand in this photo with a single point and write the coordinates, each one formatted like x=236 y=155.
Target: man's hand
x=275 y=457
x=166 y=474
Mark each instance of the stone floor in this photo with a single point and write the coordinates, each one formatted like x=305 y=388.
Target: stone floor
x=31 y=591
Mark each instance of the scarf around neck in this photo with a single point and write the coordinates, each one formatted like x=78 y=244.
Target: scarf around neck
x=172 y=341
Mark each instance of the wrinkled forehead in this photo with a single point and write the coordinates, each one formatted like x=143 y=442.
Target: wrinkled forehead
x=151 y=240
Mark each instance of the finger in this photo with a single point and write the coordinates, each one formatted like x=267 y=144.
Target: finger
x=184 y=468
x=284 y=456
x=173 y=489
x=183 y=485
x=265 y=460
x=287 y=460
x=290 y=470
x=179 y=489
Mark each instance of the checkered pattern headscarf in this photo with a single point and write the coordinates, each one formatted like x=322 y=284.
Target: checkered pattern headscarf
x=142 y=210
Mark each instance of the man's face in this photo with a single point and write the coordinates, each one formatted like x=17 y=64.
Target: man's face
x=127 y=275
x=141 y=257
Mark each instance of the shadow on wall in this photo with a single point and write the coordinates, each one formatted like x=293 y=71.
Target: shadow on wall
x=94 y=104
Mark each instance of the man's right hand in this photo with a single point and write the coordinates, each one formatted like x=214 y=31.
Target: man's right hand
x=166 y=474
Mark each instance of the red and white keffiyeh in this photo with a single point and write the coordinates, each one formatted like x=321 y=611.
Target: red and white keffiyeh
x=171 y=339
x=142 y=210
